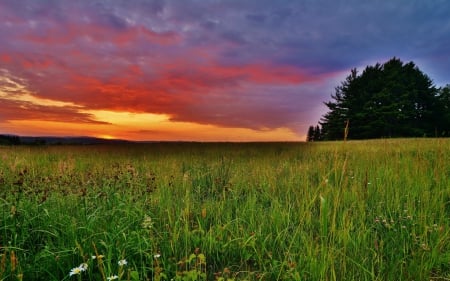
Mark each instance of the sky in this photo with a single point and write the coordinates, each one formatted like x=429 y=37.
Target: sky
x=200 y=70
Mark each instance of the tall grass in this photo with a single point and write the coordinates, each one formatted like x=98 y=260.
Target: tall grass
x=354 y=210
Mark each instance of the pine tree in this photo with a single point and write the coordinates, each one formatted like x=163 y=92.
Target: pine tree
x=389 y=100
x=311 y=133
x=442 y=116
x=333 y=122
x=317 y=133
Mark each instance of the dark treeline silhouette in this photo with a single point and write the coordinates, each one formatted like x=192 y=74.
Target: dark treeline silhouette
x=314 y=133
x=389 y=100
x=9 y=140
x=29 y=140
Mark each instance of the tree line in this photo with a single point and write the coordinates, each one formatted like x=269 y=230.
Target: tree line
x=393 y=99
x=9 y=140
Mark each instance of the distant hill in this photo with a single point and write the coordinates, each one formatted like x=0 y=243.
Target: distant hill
x=15 y=140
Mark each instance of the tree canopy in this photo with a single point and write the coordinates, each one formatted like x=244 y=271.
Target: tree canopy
x=394 y=99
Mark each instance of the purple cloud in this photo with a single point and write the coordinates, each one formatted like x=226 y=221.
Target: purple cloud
x=256 y=64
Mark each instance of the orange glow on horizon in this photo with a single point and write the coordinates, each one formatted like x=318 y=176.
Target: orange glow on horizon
x=108 y=137
x=167 y=131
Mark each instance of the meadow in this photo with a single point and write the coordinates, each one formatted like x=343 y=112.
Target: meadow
x=355 y=210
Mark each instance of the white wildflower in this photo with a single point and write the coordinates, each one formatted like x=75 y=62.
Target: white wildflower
x=83 y=266
x=77 y=270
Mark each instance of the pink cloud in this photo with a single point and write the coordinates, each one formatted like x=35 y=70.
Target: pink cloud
x=22 y=110
x=131 y=67
x=207 y=93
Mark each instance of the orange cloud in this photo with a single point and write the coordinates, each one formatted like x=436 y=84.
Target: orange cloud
x=182 y=90
x=23 y=110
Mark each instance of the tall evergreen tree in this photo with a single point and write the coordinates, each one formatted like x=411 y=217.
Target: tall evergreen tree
x=442 y=118
x=311 y=133
x=317 y=133
x=333 y=122
x=389 y=100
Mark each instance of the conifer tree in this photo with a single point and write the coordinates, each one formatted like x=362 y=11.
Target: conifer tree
x=389 y=100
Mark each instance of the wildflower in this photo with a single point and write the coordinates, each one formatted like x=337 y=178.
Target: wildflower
x=122 y=262
x=114 y=277
x=97 y=257
x=156 y=256
x=77 y=270
x=83 y=266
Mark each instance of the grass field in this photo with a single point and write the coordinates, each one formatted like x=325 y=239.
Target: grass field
x=366 y=210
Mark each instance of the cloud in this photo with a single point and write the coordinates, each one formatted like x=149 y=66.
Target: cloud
x=18 y=103
x=255 y=64
x=20 y=110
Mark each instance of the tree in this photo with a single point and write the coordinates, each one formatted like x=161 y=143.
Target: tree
x=311 y=133
x=314 y=134
x=317 y=133
x=389 y=100
x=9 y=140
x=333 y=122
x=442 y=118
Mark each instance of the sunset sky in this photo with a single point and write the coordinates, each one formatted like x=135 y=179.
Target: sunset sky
x=199 y=70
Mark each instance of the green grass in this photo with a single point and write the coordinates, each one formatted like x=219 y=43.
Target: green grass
x=359 y=210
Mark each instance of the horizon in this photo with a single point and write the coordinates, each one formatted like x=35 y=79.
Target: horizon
x=209 y=71
x=115 y=140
